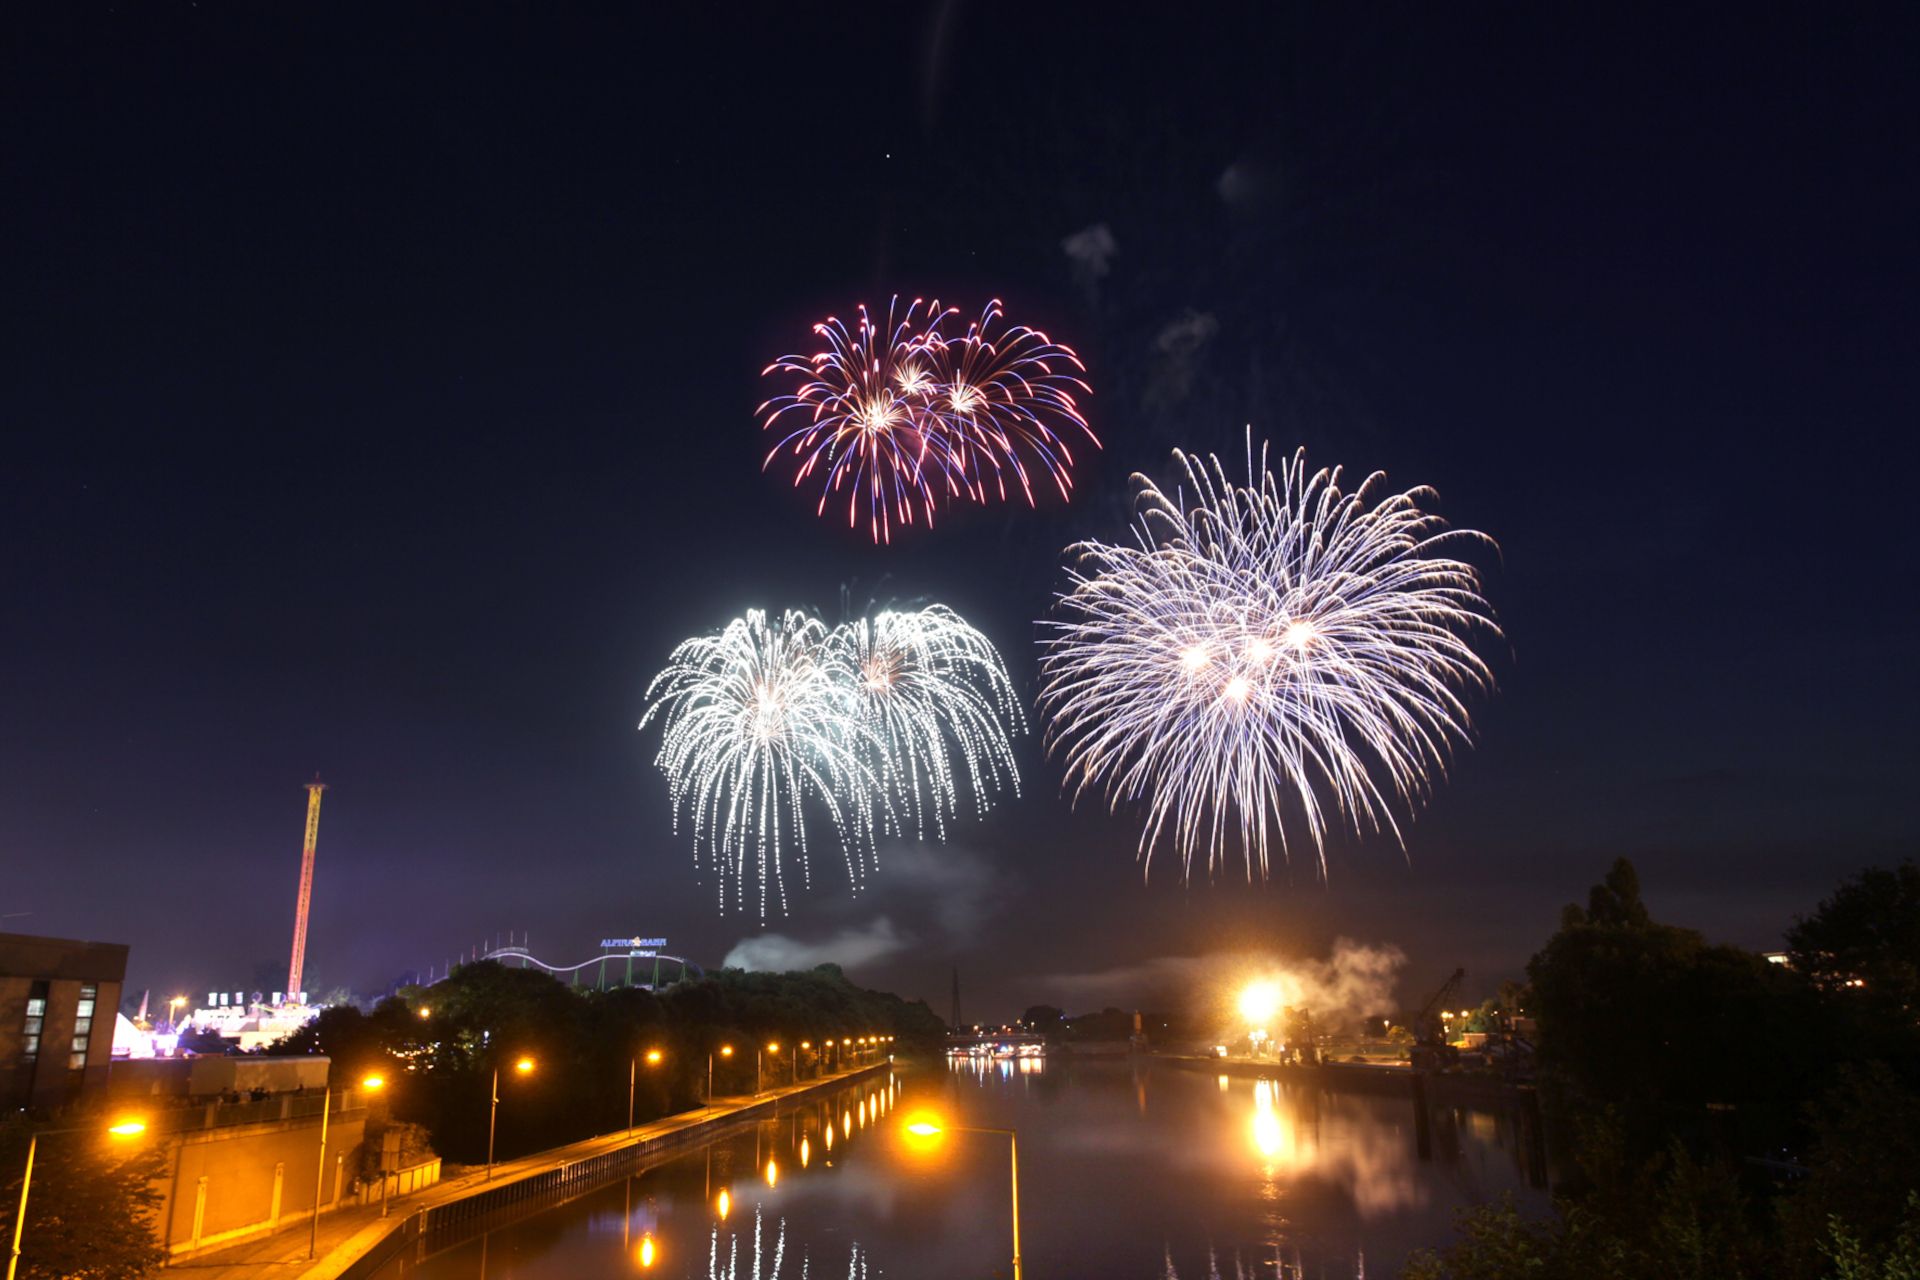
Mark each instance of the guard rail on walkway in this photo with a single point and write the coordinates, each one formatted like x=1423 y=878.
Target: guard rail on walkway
x=425 y=1228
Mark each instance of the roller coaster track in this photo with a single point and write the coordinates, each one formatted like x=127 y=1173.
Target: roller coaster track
x=614 y=969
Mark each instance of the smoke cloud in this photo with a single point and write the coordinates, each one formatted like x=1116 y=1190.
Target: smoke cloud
x=1355 y=980
x=849 y=948
x=1091 y=250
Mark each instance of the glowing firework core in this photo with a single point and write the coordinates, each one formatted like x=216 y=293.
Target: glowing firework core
x=1350 y=716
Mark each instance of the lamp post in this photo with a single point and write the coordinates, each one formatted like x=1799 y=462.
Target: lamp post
x=633 y=1076
x=758 y=1087
x=523 y=1066
x=130 y=1127
x=726 y=1051
x=925 y=1128
x=370 y=1083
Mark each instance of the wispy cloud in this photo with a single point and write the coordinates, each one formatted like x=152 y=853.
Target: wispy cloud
x=957 y=888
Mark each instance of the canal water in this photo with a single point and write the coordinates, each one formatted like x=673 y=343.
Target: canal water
x=1127 y=1169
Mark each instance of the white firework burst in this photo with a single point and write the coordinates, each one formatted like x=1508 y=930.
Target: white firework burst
x=755 y=720
x=1274 y=651
x=939 y=711
x=883 y=723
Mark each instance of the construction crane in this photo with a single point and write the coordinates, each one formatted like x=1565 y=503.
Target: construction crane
x=299 y=962
x=1430 y=1047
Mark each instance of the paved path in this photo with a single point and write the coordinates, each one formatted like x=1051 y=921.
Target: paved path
x=346 y=1234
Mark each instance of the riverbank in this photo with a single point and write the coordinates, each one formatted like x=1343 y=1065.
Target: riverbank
x=354 y=1242
x=1444 y=1088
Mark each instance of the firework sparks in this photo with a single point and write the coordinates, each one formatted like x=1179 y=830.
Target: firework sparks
x=939 y=711
x=999 y=398
x=1259 y=648
x=859 y=419
x=883 y=721
x=902 y=417
x=754 y=721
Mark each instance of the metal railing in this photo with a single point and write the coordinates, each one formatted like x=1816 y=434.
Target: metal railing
x=189 y=1117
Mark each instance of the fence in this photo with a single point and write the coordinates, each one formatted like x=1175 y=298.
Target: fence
x=429 y=1230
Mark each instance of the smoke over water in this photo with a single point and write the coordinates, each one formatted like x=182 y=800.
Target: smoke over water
x=1354 y=981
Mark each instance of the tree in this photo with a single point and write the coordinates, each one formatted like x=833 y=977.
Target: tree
x=1043 y=1017
x=1864 y=1169
x=90 y=1214
x=1656 y=1022
x=1865 y=939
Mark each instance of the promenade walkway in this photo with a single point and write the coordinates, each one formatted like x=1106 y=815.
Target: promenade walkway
x=347 y=1234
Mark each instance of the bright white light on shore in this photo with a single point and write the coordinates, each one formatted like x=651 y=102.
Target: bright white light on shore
x=1259 y=1002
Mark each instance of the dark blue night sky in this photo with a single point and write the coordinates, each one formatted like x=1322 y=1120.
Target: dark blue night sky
x=377 y=389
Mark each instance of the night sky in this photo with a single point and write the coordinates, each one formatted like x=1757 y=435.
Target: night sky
x=378 y=386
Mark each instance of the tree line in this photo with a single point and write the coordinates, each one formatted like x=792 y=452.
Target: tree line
x=1719 y=1115
x=437 y=1048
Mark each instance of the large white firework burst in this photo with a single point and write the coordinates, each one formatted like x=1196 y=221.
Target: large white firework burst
x=884 y=721
x=756 y=721
x=1274 y=653
x=939 y=711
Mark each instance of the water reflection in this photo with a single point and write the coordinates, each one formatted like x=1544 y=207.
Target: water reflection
x=768 y=1259
x=1128 y=1168
x=1338 y=1142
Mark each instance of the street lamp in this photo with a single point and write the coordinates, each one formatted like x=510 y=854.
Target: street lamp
x=633 y=1073
x=371 y=1083
x=522 y=1066
x=927 y=1129
x=773 y=1047
x=726 y=1051
x=130 y=1127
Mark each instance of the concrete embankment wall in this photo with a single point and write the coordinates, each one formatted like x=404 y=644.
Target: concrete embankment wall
x=231 y=1182
x=566 y=1179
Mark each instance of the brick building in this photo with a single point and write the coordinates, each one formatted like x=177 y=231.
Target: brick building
x=58 y=998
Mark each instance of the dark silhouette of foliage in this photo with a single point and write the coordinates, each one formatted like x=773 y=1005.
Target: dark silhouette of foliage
x=91 y=1208
x=589 y=1045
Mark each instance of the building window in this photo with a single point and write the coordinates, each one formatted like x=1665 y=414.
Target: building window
x=36 y=1019
x=82 y=1027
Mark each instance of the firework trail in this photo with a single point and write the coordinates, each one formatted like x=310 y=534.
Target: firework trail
x=1264 y=646
x=859 y=418
x=903 y=417
x=883 y=722
x=997 y=400
x=939 y=711
x=755 y=720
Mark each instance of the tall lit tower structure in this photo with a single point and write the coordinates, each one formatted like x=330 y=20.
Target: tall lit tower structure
x=299 y=961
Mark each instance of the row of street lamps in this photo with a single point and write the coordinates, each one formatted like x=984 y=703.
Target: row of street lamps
x=133 y=1127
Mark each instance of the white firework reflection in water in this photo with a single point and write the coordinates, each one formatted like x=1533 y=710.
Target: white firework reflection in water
x=939 y=710
x=1259 y=648
x=885 y=720
x=767 y=1259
